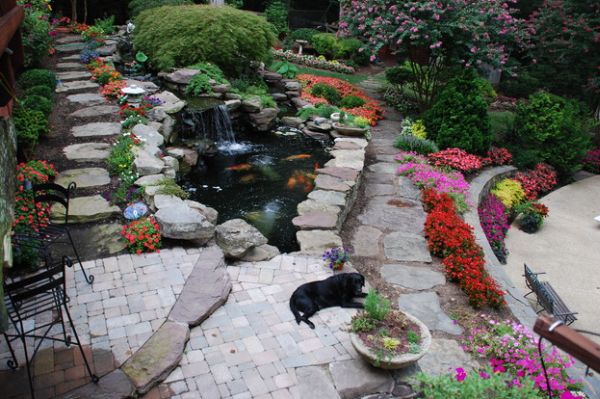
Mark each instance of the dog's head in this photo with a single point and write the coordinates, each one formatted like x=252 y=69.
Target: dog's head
x=355 y=282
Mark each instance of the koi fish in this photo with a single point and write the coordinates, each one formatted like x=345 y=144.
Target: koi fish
x=247 y=179
x=240 y=167
x=296 y=157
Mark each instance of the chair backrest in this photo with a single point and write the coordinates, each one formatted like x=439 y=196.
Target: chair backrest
x=531 y=278
x=51 y=193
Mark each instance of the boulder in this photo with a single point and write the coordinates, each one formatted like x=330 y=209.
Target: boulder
x=292 y=94
x=167 y=128
x=171 y=103
x=149 y=180
x=187 y=157
x=166 y=200
x=232 y=96
x=292 y=121
x=157 y=115
x=182 y=222
x=209 y=213
x=252 y=104
x=315 y=242
x=279 y=97
x=233 y=105
x=150 y=87
x=261 y=253
x=181 y=76
x=272 y=76
x=221 y=88
x=300 y=103
x=148 y=134
x=107 y=50
x=236 y=237
x=292 y=85
x=146 y=163
x=263 y=120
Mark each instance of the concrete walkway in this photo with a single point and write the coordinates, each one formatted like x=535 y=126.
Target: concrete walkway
x=567 y=248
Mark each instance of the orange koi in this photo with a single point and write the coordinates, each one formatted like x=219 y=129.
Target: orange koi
x=240 y=167
x=247 y=179
x=296 y=157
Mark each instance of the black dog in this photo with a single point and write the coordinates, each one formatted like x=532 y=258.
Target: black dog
x=338 y=290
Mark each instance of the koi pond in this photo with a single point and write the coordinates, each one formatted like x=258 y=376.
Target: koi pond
x=260 y=178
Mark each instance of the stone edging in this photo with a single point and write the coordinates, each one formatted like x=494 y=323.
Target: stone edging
x=205 y=290
x=520 y=308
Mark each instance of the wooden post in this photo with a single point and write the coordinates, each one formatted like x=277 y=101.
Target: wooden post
x=11 y=52
x=570 y=341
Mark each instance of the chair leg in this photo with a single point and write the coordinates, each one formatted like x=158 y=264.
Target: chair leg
x=89 y=279
x=95 y=379
x=28 y=367
x=12 y=363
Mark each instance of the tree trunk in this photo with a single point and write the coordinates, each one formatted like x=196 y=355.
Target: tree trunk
x=85 y=11
x=73 y=11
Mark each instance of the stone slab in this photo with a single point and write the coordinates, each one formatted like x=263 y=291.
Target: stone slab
x=406 y=189
x=86 y=99
x=69 y=39
x=171 y=103
x=95 y=111
x=87 y=152
x=327 y=182
x=114 y=385
x=313 y=380
x=96 y=129
x=148 y=134
x=77 y=85
x=378 y=189
x=69 y=65
x=261 y=253
x=311 y=205
x=205 y=289
x=70 y=47
x=159 y=355
x=353 y=379
x=387 y=212
x=69 y=58
x=413 y=277
x=184 y=223
x=384 y=167
x=426 y=307
x=84 y=177
x=73 y=75
x=406 y=247
x=328 y=197
x=315 y=242
x=365 y=241
x=316 y=220
x=149 y=180
x=444 y=356
x=86 y=209
x=346 y=174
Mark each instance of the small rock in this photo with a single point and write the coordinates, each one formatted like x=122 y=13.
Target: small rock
x=315 y=135
x=260 y=253
x=236 y=237
x=315 y=242
x=181 y=76
x=209 y=213
x=148 y=134
x=292 y=121
x=171 y=103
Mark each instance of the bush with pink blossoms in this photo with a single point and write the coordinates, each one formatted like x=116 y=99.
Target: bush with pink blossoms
x=591 y=162
x=510 y=347
x=537 y=181
x=494 y=221
x=498 y=156
x=456 y=158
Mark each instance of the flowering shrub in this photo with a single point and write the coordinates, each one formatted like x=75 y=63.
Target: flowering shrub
x=449 y=237
x=512 y=348
x=426 y=176
x=88 y=55
x=112 y=90
x=103 y=73
x=142 y=235
x=312 y=61
x=28 y=214
x=540 y=180
x=532 y=216
x=128 y=110
x=456 y=158
x=371 y=109
x=510 y=192
x=494 y=221
x=416 y=128
x=591 y=162
x=498 y=156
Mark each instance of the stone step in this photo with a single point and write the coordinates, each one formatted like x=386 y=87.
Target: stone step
x=87 y=152
x=75 y=86
x=69 y=58
x=425 y=306
x=315 y=242
x=70 y=65
x=95 y=111
x=70 y=47
x=84 y=177
x=87 y=99
x=73 y=75
x=96 y=129
x=69 y=39
x=85 y=209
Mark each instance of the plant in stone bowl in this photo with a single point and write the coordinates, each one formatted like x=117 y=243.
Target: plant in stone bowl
x=388 y=338
x=350 y=125
x=336 y=258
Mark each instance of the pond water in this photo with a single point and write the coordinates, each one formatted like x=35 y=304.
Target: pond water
x=260 y=179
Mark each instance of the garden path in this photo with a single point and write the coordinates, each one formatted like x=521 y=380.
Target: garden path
x=567 y=248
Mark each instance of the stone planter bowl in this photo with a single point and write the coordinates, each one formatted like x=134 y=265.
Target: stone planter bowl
x=396 y=362
x=350 y=131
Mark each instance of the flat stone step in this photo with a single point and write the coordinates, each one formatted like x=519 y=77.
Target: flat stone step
x=87 y=152
x=95 y=111
x=73 y=75
x=70 y=47
x=69 y=39
x=444 y=355
x=70 y=65
x=85 y=209
x=315 y=242
x=72 y=57
x=426 y=307
x=87 y=99
x=413 y=277
x=316 y=220
x=96 y=129
x=406 y=247
x=84 y=177
x=77 y=85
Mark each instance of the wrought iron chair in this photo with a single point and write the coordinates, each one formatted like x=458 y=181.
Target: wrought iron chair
x=32 y=298
x=49 y=234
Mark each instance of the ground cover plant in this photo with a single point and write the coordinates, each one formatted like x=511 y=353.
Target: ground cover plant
x=494 y=222
x=178 y=36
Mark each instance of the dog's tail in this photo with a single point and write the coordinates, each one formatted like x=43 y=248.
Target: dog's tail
x=295 y=310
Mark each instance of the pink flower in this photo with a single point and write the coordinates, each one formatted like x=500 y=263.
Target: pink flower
x=461 y=374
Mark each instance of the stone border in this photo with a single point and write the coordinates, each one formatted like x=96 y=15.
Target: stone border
x=520 y=308
x=161 y=353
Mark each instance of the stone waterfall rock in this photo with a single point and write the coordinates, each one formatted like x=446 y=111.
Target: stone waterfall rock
x=236 y=237
x=182 y=222
x=263 y=120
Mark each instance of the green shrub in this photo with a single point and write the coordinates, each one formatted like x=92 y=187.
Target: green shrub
x=185 y=35
x=137 y=6
x=199 y=85
x=37 y=103
x=349 y=48
x=413 y=143
x=39 y=90
x=30 y=125
x=325 y=110
x=486 y=89
x=37 y=77
x=307 y=112
x=106 y=24
x=377 y=306
x=326 y=44
x=213 y=71
x=501 y=124
x=327 y=92
x=398 y=75
x=520 y=86
x=351 y=102
x=550 y=129
x=36 y=38
x=303 y=34
x=459 y=116
x=285 y=69
x=277 y=14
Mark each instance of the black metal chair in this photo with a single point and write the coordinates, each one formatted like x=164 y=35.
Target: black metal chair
x=34 y=297
x=45 y=235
